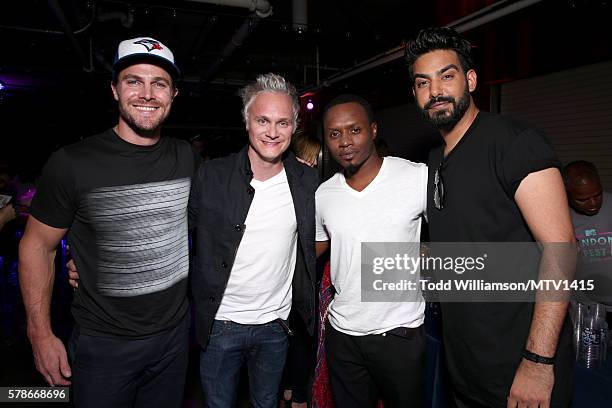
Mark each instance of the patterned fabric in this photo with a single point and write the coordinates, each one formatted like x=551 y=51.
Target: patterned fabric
x=321 y=388
x=141 y=236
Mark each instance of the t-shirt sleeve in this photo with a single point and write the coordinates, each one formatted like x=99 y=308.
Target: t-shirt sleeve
x=321 y=232
x=55 y=202
x=528 y=152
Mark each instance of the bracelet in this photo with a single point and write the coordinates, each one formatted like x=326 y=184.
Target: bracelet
x=536 y=358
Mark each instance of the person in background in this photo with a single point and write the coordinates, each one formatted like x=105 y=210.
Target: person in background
x=306 y=148
x=198 y=144
x=8 y=193
x=7 y=213
x=493 y=180
x=5 y=179
x=10 y=229
x=592 y=219
x=121 y=196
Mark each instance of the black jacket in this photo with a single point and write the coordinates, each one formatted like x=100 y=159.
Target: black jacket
x=221 y=195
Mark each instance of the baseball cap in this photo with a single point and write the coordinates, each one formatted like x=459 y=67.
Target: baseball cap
x=144 y=49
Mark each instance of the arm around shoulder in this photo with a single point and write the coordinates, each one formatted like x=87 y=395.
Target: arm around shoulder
x=321 y=247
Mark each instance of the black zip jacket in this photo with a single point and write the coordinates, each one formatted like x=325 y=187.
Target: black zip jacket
x=221 y=195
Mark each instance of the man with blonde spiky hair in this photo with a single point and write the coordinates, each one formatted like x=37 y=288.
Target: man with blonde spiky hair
x=254 y=257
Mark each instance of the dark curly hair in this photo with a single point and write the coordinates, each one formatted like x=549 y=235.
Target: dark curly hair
x=439 y=38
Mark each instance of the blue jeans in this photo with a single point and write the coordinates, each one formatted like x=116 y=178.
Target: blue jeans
x=262 y=346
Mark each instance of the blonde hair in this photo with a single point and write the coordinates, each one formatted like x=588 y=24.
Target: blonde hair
x=306 y=146
x=269 y=83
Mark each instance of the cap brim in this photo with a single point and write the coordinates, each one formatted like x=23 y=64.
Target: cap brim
x=146 y=58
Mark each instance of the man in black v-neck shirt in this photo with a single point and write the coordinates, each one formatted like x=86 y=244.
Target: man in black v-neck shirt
x=493 y=180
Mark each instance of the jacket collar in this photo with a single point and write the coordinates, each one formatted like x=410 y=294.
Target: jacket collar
x=244 y=164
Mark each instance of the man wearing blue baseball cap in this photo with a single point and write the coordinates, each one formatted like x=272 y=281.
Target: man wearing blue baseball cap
x=121 y=196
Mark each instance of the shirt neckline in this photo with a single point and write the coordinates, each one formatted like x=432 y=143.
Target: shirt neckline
x=133 y=146
x=369 y=187
x=281 y=176
x=465 y=136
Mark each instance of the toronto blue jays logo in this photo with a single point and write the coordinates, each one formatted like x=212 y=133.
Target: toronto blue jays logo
x=150 y=45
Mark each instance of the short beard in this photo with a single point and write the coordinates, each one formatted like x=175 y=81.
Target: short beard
x=352 y=169
x=148 y=131
x=441 y=120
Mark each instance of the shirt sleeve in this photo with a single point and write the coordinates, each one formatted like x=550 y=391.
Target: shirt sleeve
x=528 y=152
x=55 y=202
x=321 y=232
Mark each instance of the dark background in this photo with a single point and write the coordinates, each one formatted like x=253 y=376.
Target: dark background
x=55 y=58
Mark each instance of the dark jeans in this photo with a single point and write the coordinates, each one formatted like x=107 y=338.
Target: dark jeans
x=119 y=372
x=363 y=369
x=262 y=346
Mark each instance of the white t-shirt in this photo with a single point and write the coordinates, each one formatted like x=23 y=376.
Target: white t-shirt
x=259 y=287
x=389 y=209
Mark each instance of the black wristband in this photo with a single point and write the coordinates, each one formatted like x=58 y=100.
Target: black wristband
x=536 y=358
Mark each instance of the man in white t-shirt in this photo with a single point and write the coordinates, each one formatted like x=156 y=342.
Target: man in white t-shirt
x=374 y=349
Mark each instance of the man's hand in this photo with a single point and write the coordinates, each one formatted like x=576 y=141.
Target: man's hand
x=532 y=385
x=51 y=360
x=73 y=274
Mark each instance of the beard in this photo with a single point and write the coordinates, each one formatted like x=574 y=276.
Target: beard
x=145 y=127
x=444 y=119
x=352 y=168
